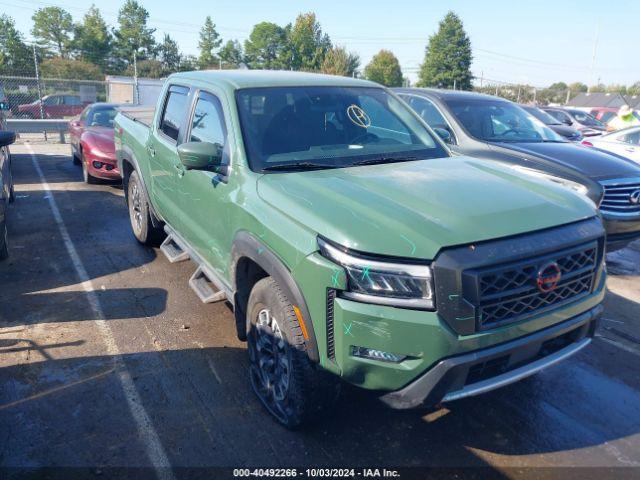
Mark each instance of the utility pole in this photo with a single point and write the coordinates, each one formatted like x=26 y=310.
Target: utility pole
x=481 y=78
x=136 y=91
x=535 y=93
x=454 y=83
x=35 y=63
x=593 y=57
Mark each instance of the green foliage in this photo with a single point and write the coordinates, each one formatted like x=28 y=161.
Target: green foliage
x=149 y=68
x=132 y=35
x=231 y=54
x=52 y=29
x=209 y=42
x=169 y=54
x=338 y=61
x=267 y=47
x=59 y=67
x=15 y=56
x=634 y=89
x=384 y=68
x=578 y=87
x=309 y=45
x=448 y=57
x=188 y=63
x=92 y=39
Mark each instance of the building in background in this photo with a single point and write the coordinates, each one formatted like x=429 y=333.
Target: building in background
x=123 y=90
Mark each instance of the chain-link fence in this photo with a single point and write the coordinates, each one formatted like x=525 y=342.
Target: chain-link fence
x=38 y=98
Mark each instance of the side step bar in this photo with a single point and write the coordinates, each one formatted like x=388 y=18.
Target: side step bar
x=201 y=284
x=205 y=282
x=173 y=251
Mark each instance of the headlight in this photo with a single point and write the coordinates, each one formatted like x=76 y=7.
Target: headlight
x=385 y=283
x=575 y=186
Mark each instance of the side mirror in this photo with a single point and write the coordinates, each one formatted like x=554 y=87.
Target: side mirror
x=200 y=155
x=7 y=138
x=444 y=134
x=567 y=121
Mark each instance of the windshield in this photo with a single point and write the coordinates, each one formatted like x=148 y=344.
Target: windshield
x=586 y=119
x=544 y=117
x=101 y=117
x=500 y=121
x=330 y=127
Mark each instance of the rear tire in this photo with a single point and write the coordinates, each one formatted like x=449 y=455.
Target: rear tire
x=139 y=214
x=292 y=388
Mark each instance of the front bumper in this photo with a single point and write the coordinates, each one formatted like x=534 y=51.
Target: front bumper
x=484 y=370
x=620 y=231
x=108 y=169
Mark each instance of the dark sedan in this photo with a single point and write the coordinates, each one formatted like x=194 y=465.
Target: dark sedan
x=492 y=128
x=572 y=117
x=557 y=126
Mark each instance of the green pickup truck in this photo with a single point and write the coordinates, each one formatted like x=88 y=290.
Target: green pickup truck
x=352 y=245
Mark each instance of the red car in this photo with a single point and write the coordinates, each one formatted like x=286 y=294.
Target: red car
x=91 y=138
x=604 y=114
x=53 y=106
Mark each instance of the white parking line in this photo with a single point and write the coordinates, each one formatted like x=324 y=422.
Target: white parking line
x=146 y=430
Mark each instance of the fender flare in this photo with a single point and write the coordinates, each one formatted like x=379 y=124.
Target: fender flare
x=246 y=245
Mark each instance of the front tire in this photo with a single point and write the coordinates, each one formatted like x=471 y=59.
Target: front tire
x=139 y=214
x=292 y=388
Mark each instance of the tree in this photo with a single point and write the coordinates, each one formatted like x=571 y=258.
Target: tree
x=133 y=36
x=308 y=44
x=384 y=68
x=52 y=29
x=634 y=89
x=169 y=54
x=58 y=67
x=231 y=54
x=15 y=56
x=447 y=60
x=267 y=47
x=188 y=63
x=92 y=39
x=578 y=87
x=209 y=42
x=149 y=68
x=338 y=61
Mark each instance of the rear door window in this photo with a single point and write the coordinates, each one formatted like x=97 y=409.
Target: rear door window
x=175 y=110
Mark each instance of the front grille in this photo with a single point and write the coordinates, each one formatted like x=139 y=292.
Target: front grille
x=509 y=293
x=618 y=197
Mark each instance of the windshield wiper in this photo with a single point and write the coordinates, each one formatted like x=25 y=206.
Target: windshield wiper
x=377 y=160
x=297 y=166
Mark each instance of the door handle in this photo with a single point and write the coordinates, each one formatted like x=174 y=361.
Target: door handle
x=630 y=149
x=152 y=151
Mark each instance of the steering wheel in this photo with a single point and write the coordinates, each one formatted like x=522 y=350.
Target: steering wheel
x=365 y=138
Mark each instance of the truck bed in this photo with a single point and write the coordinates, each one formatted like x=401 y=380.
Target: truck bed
x=141 y=114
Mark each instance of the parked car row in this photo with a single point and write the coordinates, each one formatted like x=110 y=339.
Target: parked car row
x=429 y=245
x=492 y=128
x=6 y=180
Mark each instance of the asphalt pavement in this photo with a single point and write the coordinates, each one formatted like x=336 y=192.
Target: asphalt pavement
x=108 y=360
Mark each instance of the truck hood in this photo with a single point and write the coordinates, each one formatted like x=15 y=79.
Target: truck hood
x=414 y=209
x=594 y=164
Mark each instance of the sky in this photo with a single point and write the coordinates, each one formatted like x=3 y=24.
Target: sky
x=537 y=42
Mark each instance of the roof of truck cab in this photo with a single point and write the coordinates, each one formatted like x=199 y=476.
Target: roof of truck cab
x=237 y=79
